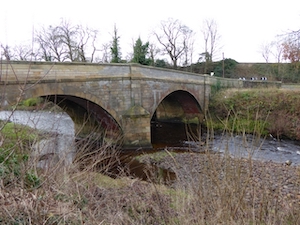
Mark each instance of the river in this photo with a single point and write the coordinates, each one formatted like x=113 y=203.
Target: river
x=264 y=149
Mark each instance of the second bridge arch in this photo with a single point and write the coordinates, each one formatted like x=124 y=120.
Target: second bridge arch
x=177 y=119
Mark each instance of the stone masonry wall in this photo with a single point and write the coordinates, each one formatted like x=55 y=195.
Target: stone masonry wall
x=130 y=93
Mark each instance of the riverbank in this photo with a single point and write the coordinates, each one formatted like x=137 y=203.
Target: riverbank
x=209 y=189
x=264 y=112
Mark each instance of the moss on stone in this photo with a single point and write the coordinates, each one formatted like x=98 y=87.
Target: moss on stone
x=136 y=111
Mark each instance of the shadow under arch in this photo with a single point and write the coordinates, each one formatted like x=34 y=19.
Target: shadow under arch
x=177 y=119
x=88 y=117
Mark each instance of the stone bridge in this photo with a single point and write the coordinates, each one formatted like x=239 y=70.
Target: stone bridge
x=124 y=100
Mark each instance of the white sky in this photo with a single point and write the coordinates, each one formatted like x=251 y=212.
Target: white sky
x=243 y=25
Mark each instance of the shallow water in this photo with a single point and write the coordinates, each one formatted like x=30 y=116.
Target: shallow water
x=269 y=149
x=263 y=149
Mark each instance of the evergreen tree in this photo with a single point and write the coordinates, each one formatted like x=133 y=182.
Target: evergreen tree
x=140 y=52
x=229 y=68
x=115 y=48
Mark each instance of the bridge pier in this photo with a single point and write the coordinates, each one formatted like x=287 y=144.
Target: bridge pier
x=136 y=128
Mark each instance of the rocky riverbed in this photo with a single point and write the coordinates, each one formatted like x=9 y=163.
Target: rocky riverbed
x=255 y=182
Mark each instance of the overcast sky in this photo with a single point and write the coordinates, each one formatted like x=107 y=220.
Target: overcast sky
x=243 y=25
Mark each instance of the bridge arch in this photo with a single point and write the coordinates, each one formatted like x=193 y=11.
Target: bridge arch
x=179 y=105
x=172 y=115
x=59 y=89
x=86 y=111
x=88 y=116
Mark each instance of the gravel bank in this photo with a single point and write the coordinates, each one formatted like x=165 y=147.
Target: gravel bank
x=255 y=181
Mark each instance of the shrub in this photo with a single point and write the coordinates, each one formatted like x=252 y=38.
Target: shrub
x=32 y=102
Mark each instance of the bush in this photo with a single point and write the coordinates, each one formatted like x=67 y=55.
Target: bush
x=32 y=102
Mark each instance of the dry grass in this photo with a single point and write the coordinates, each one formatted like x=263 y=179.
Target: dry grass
x=210 y=189
x=224 y=190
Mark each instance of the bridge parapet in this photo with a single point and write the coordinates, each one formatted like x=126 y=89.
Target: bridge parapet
x=238 y=83
x=29 y=72
x=20 y=71
x=153 y=73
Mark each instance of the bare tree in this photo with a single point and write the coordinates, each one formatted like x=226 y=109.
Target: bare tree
x=272 y=49
x=277 y=52
x=24 y=53
x=50 y=44
x=266 y=51
x=78 y=40
x=211 y=40
x=275 y=49
x=188 y=52
x=153 y=51
x=106 y=56
x=174 y=37
x=6 y=52
x=66 y=42
x=86 y=39
x=67 y=33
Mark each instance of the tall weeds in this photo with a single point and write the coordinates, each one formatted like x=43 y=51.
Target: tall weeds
x=209 y=189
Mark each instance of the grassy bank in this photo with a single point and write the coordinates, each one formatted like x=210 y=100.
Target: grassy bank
x=267 y=111
x=15 y=150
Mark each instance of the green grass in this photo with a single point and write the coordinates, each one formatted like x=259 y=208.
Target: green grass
x=14 y=155
x=31 y=102
x=14 y=131
x=155 y=156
